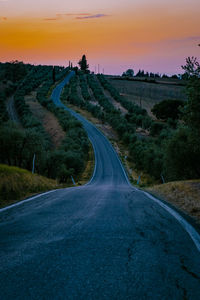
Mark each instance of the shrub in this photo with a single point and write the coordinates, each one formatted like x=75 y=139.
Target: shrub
x=167 y=109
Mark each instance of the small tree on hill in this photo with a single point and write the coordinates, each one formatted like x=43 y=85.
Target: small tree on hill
x=128 y=73
x=54 y=75
x=83 y=64
x=192 y=66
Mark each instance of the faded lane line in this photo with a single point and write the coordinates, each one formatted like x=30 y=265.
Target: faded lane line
x=26 y=200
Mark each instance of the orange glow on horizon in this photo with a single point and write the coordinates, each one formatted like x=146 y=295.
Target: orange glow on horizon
x=125 y=37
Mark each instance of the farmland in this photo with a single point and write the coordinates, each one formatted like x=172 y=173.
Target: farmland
x=144 y=141
x=143 y=138
x=51 y=135
x=146 y=94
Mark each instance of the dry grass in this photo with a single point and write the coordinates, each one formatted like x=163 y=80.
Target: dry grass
x=17 y=184
x=182 y=194
x=116 y=104
x=48 y=120
x=89 y=168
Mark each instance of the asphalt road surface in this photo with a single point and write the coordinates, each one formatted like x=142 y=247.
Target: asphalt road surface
x=104 y=240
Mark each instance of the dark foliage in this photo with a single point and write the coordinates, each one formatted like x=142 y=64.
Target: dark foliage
x=168 y=109
x=83 y=63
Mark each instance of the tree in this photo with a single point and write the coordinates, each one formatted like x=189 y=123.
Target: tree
x=192 y=67
x=182 y=155
x=191 y=111
x=15 y=70
x=83 y=64
x=54 y=75
x=128 y=73
x=167 y=109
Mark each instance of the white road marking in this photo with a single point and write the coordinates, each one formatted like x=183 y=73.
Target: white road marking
x=26 y=200
x=188 y=228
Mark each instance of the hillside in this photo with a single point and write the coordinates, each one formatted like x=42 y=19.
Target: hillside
x=38 y=128
x=145 y=93
x=17 y=183
x=184 y=195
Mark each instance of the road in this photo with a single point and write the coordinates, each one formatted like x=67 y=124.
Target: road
x=104 y=240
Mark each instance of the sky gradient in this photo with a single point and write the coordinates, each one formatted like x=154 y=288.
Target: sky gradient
x=153 y=35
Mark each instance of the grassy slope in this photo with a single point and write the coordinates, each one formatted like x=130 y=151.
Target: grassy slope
x=185 y=195
x=16 y=184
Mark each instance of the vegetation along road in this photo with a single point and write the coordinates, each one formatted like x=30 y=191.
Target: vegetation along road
x=103 y=240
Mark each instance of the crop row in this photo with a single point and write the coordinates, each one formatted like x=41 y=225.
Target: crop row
x=70 y=158
x=146 y=153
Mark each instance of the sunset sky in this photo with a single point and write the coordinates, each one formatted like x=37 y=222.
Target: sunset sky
x=154 y=35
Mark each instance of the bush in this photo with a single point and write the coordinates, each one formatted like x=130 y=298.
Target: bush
x=167 y=109
x=182 y=155
x=157 y=127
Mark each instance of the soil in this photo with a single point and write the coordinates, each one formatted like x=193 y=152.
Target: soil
x=48 y=120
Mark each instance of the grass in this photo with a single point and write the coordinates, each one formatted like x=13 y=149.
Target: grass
x=17 y=184
x=185 y=195
x=89 y=168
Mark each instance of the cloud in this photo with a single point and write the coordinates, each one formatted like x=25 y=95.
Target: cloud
x=80 y=16
x=50 y=19
x=3 y=18
x=92 y=16
x=60 y=16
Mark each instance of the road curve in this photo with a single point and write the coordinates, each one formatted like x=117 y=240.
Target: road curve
x=104 y=240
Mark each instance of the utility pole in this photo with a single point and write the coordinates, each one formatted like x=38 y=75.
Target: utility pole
x=98 y=68
x=95 y=70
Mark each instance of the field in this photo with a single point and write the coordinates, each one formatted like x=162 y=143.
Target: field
x=147 y=94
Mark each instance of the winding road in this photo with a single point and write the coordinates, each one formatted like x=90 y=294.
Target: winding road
x=103 y=240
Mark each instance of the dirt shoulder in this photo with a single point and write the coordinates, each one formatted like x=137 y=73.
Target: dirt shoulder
x=184 y=195
x=48 y=120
